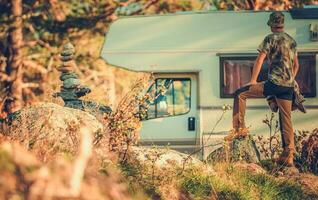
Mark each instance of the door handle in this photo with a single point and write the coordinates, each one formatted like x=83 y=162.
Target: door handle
x=191 y=124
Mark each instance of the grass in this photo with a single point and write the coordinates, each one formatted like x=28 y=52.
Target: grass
x=271 y=188
x=202 y=186
x=232 y=184
x=199 y=186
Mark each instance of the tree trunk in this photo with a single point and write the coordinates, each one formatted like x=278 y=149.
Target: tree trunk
x=14 y=66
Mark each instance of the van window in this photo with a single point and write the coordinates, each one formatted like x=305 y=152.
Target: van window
x=172 y=97
x=235 y=72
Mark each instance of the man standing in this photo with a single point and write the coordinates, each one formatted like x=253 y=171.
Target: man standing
x=280 y=50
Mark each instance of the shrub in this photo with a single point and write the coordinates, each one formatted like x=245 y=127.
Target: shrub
x=309 y=153
x=123 y=123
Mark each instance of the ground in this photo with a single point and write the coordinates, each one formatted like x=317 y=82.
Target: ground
x=48 y=151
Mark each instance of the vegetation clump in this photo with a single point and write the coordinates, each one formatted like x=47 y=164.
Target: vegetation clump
x=309 y=153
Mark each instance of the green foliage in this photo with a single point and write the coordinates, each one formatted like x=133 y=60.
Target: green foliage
x=204 y=186
x=270 y=188
x=198 y=185
x=140 y=178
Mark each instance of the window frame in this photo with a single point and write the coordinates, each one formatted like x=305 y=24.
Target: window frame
x=252 y=57
x=173 y=99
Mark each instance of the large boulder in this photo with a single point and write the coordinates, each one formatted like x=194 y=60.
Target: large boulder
x=167 y=159
x=50 y=127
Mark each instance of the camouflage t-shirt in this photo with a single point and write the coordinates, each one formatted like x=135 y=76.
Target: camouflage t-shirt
x=280 y=49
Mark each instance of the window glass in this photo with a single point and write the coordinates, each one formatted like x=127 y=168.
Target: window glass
x=164 y=98
x=306 y=76
x=171 y=97
x=181 y=96
x=237 y=71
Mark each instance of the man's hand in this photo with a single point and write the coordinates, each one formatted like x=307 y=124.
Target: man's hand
x=251 y=83
x=296 y=66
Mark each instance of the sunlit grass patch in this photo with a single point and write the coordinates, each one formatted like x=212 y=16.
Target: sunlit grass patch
x=273 y=188
x=199 y=186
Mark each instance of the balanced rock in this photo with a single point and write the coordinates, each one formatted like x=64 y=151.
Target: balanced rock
x=72 y=90
x=71 y=83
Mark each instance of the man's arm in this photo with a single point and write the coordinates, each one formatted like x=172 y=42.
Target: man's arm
x=257 y=67
x=296 y=66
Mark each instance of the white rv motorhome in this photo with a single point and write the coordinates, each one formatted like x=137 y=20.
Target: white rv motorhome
x=200 y=59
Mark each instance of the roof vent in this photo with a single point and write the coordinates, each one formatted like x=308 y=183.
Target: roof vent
x=313 y=28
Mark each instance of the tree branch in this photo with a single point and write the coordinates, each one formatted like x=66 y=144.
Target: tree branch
x=34 y=65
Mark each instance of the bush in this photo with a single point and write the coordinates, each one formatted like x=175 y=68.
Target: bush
x=309 y=153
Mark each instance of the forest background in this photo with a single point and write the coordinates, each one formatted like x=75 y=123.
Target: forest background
x=32 y=33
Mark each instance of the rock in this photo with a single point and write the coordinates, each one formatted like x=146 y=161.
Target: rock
x=65 y=69
x=244 y=149
x=50 y=127
x=82 y=91
x=70 y=64
x=71 y=83
x=218 y=155
x=68 y=95
x=289 y=171
x=72 y=90
x=68 y=46
x=66 y=58
x=65 y=76
x=165 y=156
x=67 y=52
x=237 y=150
x=250 y=167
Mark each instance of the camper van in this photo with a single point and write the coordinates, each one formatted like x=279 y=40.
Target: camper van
x=199 y=59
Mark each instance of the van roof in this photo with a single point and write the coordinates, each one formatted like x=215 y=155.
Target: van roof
x=130 y=38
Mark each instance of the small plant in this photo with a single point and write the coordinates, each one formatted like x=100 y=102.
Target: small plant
x=123 y=123
x=306 y=153
x=309 y=152
x=271 y=147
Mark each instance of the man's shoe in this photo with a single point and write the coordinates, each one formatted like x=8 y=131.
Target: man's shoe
x=286 y=159
x=242 y=132
x=231 y=135
x=236 y=134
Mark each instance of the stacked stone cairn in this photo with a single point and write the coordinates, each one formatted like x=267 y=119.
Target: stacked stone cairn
x=72 y=90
